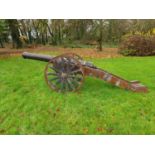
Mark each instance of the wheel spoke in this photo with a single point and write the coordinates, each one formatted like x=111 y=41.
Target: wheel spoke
x=55 y=78
x=54 y=68
x=62 y=65
x=73 y=67
x=50 y=73
x=65 y=86
x=76 y=83
x=58 y=65
x=62 y=86
x=58 y=82
x=71 y=84
x=68 y=67
x=76 y=71
x=76 y=77
x=55 y=84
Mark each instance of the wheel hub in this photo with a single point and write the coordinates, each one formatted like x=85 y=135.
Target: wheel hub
x=63 y=75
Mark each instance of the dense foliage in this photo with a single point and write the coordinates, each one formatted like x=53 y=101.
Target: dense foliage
x=69 y=32
x=138 y=45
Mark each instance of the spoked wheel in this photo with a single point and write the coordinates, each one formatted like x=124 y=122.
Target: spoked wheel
x=64 y=73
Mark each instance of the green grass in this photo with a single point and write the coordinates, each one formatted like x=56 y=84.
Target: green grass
x=27 y=106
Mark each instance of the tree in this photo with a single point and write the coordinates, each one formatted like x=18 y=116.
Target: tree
x=25 y=27
x=99 y=29
x=143 y=25
x=3 y=32
x=15 y=34
x=101 y=34
x=35 y=23
x=116 y=29
x=56 y=29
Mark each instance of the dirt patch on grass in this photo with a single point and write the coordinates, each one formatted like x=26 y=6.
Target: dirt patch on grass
x=93 y=53
x=83 y=52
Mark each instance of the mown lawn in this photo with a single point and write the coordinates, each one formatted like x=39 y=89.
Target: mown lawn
x=28 y=106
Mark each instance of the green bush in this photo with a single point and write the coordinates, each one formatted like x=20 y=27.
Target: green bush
x=137 y=45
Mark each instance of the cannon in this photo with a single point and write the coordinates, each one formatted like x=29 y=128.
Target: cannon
x=66 y=72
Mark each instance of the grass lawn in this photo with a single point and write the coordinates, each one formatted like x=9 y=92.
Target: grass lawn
x=28 y=106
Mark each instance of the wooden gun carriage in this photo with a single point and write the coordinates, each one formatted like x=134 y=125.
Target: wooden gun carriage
x=66 y=72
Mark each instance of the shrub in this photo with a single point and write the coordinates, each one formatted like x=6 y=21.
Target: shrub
x=138 y=45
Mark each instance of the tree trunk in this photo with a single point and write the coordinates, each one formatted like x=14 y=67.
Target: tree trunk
x=36 y=31
x=13 y=26
x=60 y=34
x=46 y=37
x=43 y=39
x=101 y=35
x=30 y=37
x=1 y=43
x=49 y=30
x=110 y=30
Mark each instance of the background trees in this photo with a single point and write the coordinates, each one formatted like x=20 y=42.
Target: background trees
x=27 y=32
x=3 y=32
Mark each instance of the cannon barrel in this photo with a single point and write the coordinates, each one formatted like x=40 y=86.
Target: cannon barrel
x=41 y=57
x=47 y=58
